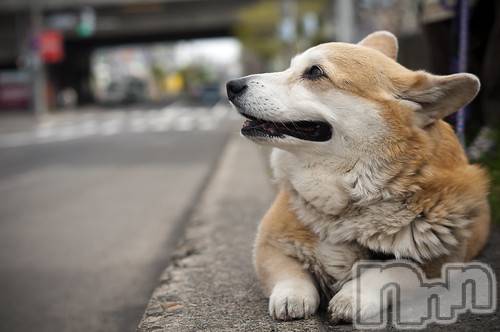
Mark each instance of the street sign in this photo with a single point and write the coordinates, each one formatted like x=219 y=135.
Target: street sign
x=86 y=26
x=51 y=46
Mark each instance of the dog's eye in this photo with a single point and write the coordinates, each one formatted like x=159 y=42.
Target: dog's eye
x=314 y=72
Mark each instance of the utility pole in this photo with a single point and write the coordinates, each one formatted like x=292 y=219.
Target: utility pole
x=39 y=84
x=288 y=29
x=344 y=18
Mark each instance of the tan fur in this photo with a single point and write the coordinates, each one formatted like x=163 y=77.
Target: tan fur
x=409 y=191
x=383 y=42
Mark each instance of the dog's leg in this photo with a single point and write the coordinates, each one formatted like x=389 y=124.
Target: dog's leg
x=291 y=289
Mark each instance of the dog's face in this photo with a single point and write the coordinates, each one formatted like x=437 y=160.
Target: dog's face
x=340 y=99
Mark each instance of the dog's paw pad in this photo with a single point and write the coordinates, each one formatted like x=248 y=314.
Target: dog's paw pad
x=293 y=300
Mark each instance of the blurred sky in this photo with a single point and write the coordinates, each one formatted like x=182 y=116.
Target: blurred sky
x=221 y=51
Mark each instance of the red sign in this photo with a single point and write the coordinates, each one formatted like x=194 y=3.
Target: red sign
x=51 y=46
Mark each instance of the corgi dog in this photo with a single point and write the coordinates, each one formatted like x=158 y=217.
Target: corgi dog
x=366 y=168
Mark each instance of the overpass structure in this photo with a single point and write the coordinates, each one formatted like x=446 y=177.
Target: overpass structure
x=118 y=21
x=115 y=22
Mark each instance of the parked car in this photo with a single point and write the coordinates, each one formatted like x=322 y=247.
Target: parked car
x=15 y=90
x=127 y=90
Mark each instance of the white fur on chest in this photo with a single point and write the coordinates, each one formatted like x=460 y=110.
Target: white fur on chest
x=321 y=187
x=324 y=191
x=326 y=201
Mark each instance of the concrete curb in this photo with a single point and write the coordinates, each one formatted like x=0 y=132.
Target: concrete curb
x=210 y=284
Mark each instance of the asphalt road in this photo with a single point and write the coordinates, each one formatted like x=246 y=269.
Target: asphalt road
x=87 y=225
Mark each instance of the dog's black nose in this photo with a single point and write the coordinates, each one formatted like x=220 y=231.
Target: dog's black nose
x=236 y=87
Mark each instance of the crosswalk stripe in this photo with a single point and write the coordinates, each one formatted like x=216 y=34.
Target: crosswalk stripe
x=171 y=118
x=43 y=132
x=111 y=127
x=89 y=127
x=183 y=123
x=163 y=122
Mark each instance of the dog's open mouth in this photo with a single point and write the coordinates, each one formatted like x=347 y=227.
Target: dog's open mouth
x=317 y=131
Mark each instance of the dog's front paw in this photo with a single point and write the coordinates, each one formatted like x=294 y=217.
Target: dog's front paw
x=343 y=306
x=293 y=299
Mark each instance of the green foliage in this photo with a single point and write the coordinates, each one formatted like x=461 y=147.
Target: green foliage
x=258 y=26
x=197 y=75
x=157 y=72
x=493 y=165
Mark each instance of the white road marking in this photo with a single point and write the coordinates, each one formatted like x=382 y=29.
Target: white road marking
x=89 y=127
x=164 y=121
x=206 y=121
x=174 y=117
x=66 y=132
x=184 y=123
x=44 y=131
x=111 y=127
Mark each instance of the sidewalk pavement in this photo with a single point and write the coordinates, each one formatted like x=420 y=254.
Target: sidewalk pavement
x=210 y=283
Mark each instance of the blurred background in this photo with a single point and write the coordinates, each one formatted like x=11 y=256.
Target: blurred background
x=113 y=115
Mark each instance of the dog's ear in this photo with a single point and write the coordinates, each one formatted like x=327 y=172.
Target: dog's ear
x=436 y=97
x=382 y=41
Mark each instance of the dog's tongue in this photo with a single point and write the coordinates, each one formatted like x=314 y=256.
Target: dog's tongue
x=270 y=127
x=263 y=125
